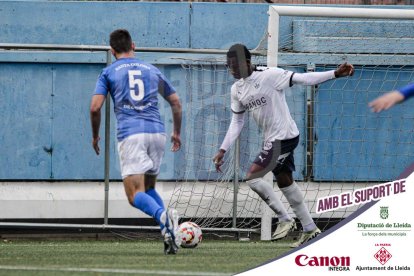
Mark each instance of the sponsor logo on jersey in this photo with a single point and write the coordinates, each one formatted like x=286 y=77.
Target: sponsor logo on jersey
x=256 y=103
x=134 y=64
x=138 y=108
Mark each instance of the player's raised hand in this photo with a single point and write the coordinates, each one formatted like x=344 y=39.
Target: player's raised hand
x=95 y=144
x=344 y=70
x=218 y=160
x=176 y=142
x=386 y=101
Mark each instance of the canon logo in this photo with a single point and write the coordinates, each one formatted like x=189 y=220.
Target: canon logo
x=304 y=260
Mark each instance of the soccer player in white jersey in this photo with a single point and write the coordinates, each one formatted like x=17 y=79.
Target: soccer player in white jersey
x=134 y=86
x=262 y=93
x=392 y=98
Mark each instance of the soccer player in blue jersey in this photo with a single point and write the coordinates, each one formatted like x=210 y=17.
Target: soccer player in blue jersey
x=134 y=86
x=390 y=99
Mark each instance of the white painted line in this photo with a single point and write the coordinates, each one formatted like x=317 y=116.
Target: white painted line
x=109 y=270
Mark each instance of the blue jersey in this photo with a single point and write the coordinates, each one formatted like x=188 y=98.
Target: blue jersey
x=134 y=86
x=407 y=91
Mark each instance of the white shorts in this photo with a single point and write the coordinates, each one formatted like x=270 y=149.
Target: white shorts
x=141 y=153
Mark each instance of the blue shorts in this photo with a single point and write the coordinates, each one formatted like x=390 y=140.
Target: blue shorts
x=277 y=157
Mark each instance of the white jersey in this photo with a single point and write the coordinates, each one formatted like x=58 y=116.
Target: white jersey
x=263 y=94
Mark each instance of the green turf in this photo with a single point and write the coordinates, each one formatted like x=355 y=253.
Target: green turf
x=134 y=257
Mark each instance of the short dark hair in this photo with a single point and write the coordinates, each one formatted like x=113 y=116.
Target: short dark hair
x=237 y=50
x=121 y=41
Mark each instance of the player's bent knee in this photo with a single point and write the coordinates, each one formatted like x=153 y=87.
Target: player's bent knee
x=131 y=200
x=284 y=180
x=261 y=187
x=130 y=196
x=254 y=183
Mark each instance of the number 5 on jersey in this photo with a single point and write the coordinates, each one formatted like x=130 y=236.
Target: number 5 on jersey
x=134 y=80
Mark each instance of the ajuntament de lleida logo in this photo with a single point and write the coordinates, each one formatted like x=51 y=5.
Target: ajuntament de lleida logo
x=384 y=212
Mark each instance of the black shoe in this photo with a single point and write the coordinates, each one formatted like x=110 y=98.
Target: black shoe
x=169 y=245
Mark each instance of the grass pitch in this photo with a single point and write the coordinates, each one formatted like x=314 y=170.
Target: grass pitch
x=103 y=257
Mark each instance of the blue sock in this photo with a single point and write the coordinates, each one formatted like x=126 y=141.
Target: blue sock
x=148 y=205
x=153 y=193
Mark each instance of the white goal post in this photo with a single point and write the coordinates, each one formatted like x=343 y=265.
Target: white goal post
x=275 y=12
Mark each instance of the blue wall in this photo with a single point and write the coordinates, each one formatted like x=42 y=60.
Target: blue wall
x=45 y=129
x=354 y=143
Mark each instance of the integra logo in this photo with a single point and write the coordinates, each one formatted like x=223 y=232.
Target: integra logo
x=333 y=263
x=255 y=103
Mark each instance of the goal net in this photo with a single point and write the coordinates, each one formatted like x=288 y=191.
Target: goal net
x=343 y=145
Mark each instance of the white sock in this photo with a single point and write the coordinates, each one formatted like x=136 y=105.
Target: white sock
x=295 y=198
x=265 y=191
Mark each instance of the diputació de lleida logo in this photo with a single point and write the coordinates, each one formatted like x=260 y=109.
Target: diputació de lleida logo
x=384 y=212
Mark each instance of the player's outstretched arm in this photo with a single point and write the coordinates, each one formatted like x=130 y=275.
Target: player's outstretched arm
x=386 y=101
x=95 y=114
x=390 y=99
x=176 y=110
x=314 y=78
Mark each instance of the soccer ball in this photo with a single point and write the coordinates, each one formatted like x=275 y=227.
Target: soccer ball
x=190 y=234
